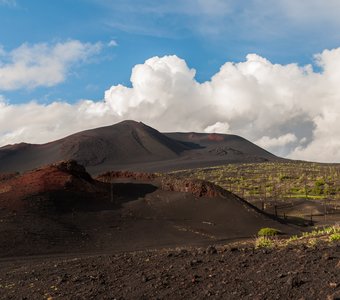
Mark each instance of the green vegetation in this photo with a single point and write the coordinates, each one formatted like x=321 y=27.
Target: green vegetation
x=274 y=180
x=331 y=234
x=310 y=239
x=264 y=242
x=268 y=232
x=334 y=237
x=265 y=237
x=293 y=238
x=322 y=231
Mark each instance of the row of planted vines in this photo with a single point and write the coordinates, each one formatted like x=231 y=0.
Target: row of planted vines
x=265 y=181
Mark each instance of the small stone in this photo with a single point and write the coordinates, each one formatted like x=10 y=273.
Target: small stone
x=211 y=250
x=335 y=296
x=293 y=281
x=208 y=294
x=333 y=285
x=327 y=256
x=338 y=265
x=195 y=262
x=195 y=279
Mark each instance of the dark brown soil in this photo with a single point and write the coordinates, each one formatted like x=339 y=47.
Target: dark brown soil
x=188 y=273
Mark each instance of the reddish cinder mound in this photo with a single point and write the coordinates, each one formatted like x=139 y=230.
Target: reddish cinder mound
x=55 y=186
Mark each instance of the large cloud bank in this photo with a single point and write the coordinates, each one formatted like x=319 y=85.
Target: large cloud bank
x=288 y=109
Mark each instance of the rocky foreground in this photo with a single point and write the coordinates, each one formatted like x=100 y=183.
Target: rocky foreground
x=296 y=272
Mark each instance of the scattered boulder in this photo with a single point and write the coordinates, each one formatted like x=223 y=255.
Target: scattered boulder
x=211 y=250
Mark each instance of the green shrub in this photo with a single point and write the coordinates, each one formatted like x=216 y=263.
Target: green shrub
x=268 y=232
x=334 y=237
x=263 y=242
x=320 y=182
x=283 y=177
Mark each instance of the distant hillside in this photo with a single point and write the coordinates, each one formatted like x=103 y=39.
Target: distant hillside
x=135 y=146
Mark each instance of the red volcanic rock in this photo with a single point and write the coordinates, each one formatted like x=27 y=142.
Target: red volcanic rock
x=142 y=176
x=8 y=176
x=215 y=137
x=199 y=188
x=54 y=183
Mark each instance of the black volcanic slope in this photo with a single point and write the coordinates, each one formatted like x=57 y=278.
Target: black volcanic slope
x=60 y=208
x=135 y=146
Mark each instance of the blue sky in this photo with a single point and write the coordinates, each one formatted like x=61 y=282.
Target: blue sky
x=204 y=33
x=65 y=66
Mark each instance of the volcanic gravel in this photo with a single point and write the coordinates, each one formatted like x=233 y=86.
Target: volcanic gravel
x=296 y=272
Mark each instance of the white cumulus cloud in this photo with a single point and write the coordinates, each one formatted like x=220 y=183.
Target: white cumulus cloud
x=218 y=127
x=283 y=140
x=289 y=109
x=30 y=66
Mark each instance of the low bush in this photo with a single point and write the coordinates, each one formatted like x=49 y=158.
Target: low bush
x=267 y=231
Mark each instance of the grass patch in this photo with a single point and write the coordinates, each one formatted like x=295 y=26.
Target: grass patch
x=264 y=242
x=267 y=231
x=293 y=238
x=303 y=196
x=335 y=237
x=325 y=234
x=310 y=239
x=322 y=231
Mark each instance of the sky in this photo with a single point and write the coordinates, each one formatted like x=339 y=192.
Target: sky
x=268 y=70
